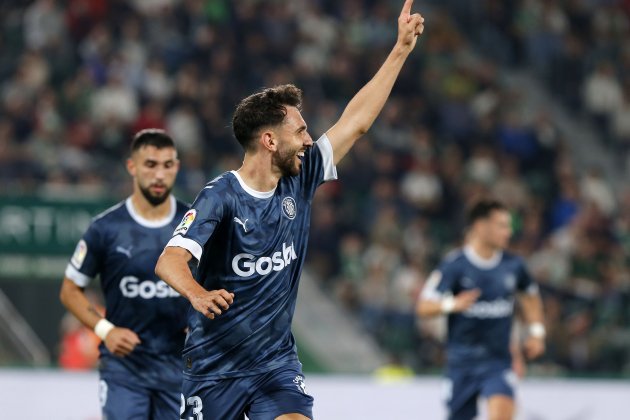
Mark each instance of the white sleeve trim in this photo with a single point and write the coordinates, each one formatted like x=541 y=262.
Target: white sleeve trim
x=77 y=277
x=430 y=291
x=325 y=148
x=188 y=244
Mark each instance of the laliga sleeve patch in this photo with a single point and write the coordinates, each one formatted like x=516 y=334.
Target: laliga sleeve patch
x=188 y=219
x=79 y=254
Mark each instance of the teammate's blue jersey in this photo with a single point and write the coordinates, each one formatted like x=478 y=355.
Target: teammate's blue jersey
x=123 y=248
x=252 y=244
x=482 y=332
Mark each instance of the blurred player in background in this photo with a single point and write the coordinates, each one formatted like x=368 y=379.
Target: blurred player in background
x=475 y=287
x=143 y=332
x=248 y=232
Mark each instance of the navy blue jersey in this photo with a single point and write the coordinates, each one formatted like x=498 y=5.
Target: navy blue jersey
x=123 y=248
x=482 y=332
x=252 y=244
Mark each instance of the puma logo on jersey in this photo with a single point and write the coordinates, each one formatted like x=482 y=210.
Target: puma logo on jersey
x=124 y=251
x=242 y=223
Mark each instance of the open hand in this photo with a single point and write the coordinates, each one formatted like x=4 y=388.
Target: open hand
x=212 y=302
x=410 y=26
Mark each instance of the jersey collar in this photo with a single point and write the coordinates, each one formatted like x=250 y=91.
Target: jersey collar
x=250 y=191
x=152 y=223
x=480 y=262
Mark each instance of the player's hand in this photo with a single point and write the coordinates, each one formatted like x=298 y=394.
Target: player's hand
x=121 y=341
x=519 y=367
x=534 y=347
x=213 y=302
x=410 y=26
x=466 y=299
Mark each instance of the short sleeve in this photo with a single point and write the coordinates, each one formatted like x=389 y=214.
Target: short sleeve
x=85 y=262
x=440 y=283
x=199 y=223
x=318 y=166
x=525 y=281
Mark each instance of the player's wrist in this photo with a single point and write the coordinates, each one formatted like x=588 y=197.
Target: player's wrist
x=447 y=305
x=537 y=330
x=102 y=328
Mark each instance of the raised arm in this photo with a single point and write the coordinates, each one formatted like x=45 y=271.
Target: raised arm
x=172 y=267
x=363 y=109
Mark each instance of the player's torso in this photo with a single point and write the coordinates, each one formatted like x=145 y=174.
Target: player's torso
x=260 y=243
x=497 y=286
x=135 y=297
x=255 y=252
x=483 y=331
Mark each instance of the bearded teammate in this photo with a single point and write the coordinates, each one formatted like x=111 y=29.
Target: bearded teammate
x=248 y=231
x=476 y=287
x=143 y=332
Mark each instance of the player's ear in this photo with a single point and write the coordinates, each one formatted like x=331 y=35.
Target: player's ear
x=269 y=140
x=131 y=167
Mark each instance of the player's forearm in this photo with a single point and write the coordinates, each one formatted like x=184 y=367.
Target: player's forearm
x=429 y=308
x=363 y=109
x=532 y=309
x=73 y=298
x=174 y=270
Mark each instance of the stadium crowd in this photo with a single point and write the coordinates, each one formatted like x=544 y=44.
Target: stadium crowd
x=78 y=78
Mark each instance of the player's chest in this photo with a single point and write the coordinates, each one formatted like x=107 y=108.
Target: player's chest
x=129 y=248
x=492 y=284
x=252 y=220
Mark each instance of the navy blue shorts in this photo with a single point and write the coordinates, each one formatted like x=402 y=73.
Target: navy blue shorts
x=122 y=401
x=466 y=385
x=260 y=397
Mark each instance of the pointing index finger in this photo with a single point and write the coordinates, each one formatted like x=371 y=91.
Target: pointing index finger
x=407 y=7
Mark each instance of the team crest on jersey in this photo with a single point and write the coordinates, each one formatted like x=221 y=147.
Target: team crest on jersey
x=299 y=383
x=188 y=220
x=289 y=208
x=510 y=282
x=79 y=254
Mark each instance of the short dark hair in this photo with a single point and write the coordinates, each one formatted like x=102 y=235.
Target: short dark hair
x=263 y=109
x=482 y=209
x=151 y=137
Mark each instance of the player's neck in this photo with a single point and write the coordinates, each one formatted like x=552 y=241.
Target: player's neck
x=256 y=175
x=147 y=210
x=482 y=250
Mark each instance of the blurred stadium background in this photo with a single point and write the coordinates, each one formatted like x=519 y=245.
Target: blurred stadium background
x=527 y=100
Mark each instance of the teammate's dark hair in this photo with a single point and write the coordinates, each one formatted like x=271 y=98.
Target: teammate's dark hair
x=483 y=209
x=263 y=109
x=151 y=137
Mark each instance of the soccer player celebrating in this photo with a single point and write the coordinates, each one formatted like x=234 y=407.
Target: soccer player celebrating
x=475 y=287
x=248 y=231
x=144 y=329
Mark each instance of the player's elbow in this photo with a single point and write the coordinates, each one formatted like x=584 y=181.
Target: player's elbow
x=159 y=267
x=68 y=289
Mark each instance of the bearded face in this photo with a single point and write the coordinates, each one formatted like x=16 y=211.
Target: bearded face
x=154 y=171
